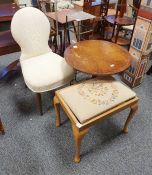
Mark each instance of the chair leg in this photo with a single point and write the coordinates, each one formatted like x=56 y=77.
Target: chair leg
x=2 y=128
x=68 y=35
x=57 y=111
x=75 y=31
x=117 y=33
x=133 y=110
x=56 y=44
x=39 y=103
x=78 y=136
x=61 y=42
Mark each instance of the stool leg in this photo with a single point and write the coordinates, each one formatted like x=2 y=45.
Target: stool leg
x=78 y=136
x=57 y=111
x=133 y=110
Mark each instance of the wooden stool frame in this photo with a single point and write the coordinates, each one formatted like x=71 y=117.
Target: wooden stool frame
x=80 y=130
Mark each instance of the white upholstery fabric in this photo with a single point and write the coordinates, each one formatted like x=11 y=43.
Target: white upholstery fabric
x=42 y=69
x=95 y=96
x=31 y=29
x=47 y=72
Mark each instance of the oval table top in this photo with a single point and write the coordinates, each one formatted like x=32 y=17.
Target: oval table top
x=97 y=57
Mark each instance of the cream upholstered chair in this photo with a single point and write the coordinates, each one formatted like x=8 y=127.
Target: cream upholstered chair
x=42 y=69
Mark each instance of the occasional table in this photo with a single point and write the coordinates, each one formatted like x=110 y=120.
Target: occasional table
x=60 y=17
x=7 y=43
x=7 y=11
x=66 y=16
x=98 y=57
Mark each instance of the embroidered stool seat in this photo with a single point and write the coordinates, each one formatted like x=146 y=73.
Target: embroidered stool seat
x=92 y=100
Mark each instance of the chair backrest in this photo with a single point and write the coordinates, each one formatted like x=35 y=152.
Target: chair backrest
x=125 y=8
x=30 y=29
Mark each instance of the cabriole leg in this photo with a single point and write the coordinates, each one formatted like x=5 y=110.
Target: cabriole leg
x=133 y=110
x=78 y=136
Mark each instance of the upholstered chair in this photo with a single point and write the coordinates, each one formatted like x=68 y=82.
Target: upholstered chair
x=42 y=69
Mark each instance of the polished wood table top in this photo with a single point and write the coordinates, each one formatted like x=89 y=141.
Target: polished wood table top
x=120 y=20
x=61 y=15
x=98 y=57
x=7 y=11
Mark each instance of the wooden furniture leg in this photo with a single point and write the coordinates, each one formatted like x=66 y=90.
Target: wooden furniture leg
x=2 y=128
x=149 y=71
x=11 y=67
x=78 y=136
x=133 y=110
x=117 y=33
x=75 y=31
x=39 y=103
x=61 y=43
x=57 y=111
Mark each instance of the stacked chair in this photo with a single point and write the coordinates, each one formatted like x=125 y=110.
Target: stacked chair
x=123 y=19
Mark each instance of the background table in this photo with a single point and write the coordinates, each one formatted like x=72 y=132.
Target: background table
x=60 y=17
x=7 y=11
x=7 y=43
x=98 y=57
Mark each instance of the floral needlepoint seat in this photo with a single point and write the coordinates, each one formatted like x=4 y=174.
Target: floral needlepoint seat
x=92 y=100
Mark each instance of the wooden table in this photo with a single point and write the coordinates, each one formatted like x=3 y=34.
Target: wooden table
x=63 y=17
x=7 y=43
x=98 y=57
x=7 y=11
x=60 y=17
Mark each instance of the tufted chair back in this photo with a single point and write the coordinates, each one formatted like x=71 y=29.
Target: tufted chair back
x=31 y=29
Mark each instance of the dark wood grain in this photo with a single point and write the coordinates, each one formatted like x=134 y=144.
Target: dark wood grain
x=7 y=11
x=7 y=43
x=2 y=127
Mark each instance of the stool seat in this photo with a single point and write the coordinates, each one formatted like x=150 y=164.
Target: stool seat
x=95 y=96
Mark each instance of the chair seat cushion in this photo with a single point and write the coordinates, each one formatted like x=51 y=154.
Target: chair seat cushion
x=95 y=96
x=46 y=72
